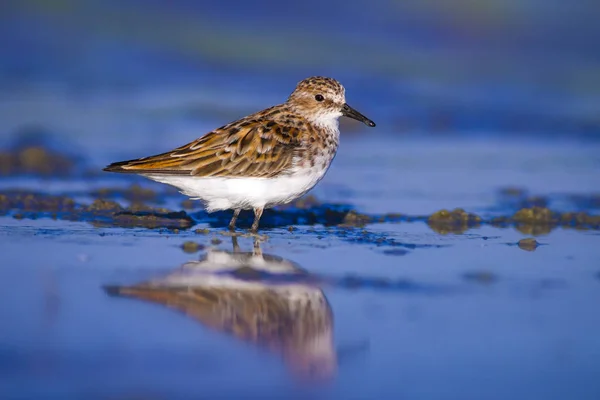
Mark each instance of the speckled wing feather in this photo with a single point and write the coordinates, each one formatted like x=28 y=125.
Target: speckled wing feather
x=252 y=147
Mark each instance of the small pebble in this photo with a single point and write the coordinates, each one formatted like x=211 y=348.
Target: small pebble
x=191 y=247
x=528 y=244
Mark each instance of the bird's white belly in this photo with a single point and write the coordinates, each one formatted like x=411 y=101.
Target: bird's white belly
x=245 y=193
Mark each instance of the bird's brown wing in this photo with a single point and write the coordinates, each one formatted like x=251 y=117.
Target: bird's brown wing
x=250 y=148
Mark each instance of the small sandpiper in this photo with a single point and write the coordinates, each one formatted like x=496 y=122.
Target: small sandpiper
x=263 y=160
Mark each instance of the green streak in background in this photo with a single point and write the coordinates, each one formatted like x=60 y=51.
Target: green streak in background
x=281 y=44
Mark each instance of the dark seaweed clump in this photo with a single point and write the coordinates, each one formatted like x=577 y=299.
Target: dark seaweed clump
x=31 y=203
x=30 y=155
x=192 y=247
x=105 y=212
x=133 y=193
x=456 y=221
x=540 y=220
x=34 y=160
x=99 y=213
x=355 y=219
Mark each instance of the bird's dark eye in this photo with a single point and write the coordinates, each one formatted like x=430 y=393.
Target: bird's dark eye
x=319 y=97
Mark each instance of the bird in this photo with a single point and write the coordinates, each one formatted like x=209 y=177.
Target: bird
x=268 y=158
x=261 y=299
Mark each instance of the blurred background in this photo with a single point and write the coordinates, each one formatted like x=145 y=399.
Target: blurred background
x=428 y=67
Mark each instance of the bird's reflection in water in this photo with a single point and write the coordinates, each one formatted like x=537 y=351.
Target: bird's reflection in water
x=259 y=298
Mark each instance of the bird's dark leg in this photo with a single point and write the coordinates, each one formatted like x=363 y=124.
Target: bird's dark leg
x=257 y=251
x=257 y=214
x=236 y=246
x=236 y=213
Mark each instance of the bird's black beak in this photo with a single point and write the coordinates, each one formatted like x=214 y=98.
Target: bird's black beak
x=352 y=113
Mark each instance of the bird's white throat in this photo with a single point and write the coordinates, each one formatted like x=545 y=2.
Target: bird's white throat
x=327 y=121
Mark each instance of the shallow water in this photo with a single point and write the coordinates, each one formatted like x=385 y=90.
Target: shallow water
x=416 y=313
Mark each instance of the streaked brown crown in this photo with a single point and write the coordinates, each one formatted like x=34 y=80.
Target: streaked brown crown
x=319 y=84
x=333 y=93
